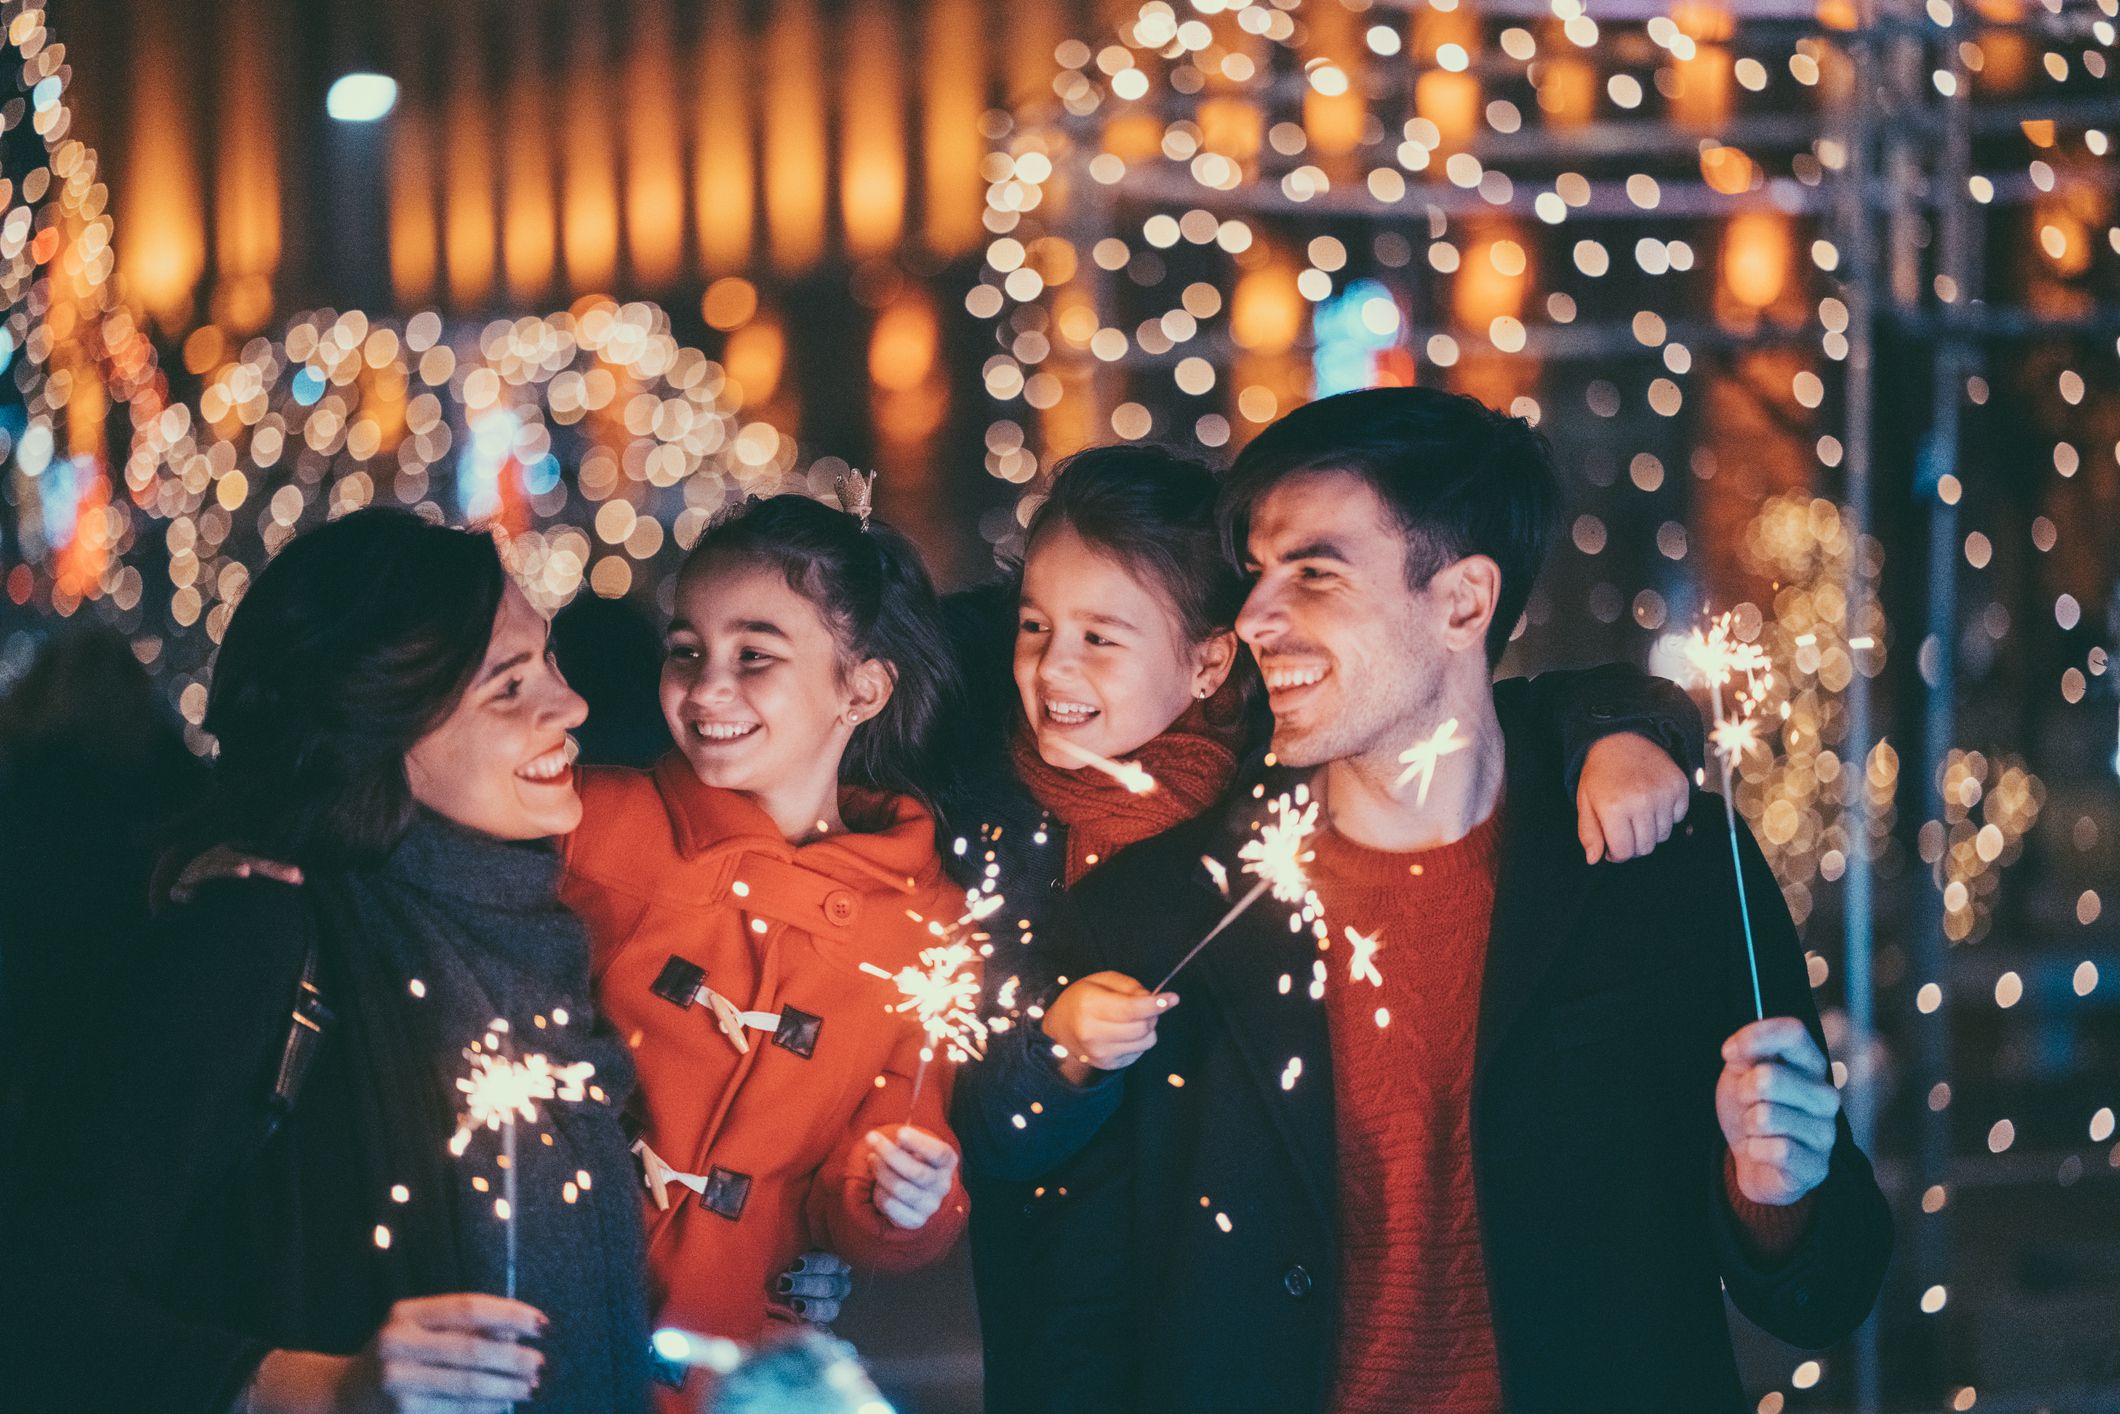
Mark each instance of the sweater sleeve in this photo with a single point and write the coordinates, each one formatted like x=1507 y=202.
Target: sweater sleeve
x=1578 y=707
x=1811 y=1288
x=175 y=1109
x=841 y=1207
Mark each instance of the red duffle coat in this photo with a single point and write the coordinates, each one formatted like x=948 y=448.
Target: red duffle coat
x=687 y=887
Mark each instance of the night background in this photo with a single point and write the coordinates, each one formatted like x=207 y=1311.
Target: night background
x=1818 y=305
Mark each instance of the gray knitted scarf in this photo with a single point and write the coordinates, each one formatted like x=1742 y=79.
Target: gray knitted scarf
x=453 y=931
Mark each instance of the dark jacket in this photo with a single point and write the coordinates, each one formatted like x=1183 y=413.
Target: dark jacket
x=167 y=1234
x=1597 y=1159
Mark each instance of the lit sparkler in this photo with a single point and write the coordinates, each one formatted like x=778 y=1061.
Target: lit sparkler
x=941 y=993
x=1724 y=661
x=1276 y=857
x=499 y=1091
x=1130 y=774
x=1420 y=758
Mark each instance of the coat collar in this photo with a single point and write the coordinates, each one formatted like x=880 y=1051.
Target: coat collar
x=1540 y=885
x=890 y=847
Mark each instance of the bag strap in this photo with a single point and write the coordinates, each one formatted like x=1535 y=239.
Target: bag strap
x=308 y=1023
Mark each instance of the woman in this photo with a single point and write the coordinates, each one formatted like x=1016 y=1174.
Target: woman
x=1123 y=651
x=263 y=1181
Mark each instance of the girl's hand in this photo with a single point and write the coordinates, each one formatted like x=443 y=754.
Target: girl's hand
x=913 y=1170
x=1629 y=799
x=456 y=1354
x=813 y=1287
x=1105 y=1021
x=224 y=862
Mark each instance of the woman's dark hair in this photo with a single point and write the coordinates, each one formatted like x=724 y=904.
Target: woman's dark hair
x=356 y=641
x=1458 y=477
x=871 y=589
x=1154 y=512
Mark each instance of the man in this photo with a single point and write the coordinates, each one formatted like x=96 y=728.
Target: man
x=1504 y=1133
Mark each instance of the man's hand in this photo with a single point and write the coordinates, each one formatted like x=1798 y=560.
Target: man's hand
x=912 y=1169
x=1777 y=1106
x=1631 y=795
x=1105 y=1021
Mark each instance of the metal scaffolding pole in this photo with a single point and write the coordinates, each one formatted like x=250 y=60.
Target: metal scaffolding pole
x=1937 y=489
x=1856 y=221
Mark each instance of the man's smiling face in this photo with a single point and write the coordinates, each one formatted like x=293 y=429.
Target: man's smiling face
x=1349 y=650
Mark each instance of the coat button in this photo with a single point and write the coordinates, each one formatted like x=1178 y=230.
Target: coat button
x=1296 y=1281
x=840 y=907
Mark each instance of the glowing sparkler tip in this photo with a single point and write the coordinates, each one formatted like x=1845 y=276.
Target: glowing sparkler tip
x=1277 y=854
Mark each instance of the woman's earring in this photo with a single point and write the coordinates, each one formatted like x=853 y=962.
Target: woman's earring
x=1203 y=693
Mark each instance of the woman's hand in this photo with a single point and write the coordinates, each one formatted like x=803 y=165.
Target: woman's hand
x=1105 y=1021
x=913 y=1170
x=813 y=1288
x=456 y=1354
x=1629 y=799
x=224 y=862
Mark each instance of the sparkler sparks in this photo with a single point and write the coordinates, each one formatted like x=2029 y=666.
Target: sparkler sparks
x=1127 y=773
x=941 y=993
x=1362 y=966
x=1276 y=856
x=499 y=1091
x=1420 y=758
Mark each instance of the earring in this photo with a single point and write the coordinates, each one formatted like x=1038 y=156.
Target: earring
x=1203 y=693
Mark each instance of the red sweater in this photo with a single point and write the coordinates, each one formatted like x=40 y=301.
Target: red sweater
x=1415 y=1329
x=1415 y=1332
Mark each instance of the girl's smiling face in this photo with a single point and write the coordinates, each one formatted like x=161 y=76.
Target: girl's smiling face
x=1102 y=658
x=501 y=761
x=756 y=692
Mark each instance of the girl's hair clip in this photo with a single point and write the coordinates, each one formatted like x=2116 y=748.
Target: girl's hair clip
x=856 y=490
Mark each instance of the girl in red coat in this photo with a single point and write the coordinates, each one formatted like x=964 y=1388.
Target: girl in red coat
x=734 y=894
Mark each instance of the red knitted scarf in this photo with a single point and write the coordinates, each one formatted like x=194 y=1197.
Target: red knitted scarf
x=1193 y=762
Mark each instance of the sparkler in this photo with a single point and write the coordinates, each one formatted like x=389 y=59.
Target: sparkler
x=941 y=993
x=1127 y=773
x=1721 y=659
x=1276 y=857
x=500 y=1090
x=1420 y=758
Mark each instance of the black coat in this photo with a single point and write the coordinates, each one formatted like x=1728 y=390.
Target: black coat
x=1597 y=1159
x=165 y=1235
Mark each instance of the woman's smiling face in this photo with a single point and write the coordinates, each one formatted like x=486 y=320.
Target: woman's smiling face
x=501 y=761
x=1102 y=659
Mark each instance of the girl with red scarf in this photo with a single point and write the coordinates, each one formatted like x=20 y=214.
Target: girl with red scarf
x=1123 y=653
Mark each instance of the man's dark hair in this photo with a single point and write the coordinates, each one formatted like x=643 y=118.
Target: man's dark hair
x=356 y=641
x=1154 y=512
x=1458 y=477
